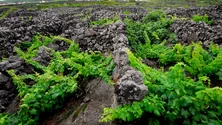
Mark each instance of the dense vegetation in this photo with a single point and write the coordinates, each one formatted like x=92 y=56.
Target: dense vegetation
x=173 y=98
x=181 y=95
x=151 y=39
x=155 y=26
x=53 y=82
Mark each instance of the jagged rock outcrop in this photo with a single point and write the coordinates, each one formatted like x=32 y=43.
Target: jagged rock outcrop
x=133 y=12
x=43 y=56
x=129 y=86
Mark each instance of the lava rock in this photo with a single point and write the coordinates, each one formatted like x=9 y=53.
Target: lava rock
x=14 y=65
x=3 y=65
x=12 y=59
x=129 y=91
x=3 y=93
x=43 y=56
x=129 y=86
x=188 y=31
x=3 y=78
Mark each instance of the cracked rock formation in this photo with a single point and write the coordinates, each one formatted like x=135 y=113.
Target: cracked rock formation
x=129 y=86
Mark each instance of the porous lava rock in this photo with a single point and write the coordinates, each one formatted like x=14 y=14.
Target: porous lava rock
x=189 y=31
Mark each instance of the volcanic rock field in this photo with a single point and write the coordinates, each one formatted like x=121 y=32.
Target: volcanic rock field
x=74 y=23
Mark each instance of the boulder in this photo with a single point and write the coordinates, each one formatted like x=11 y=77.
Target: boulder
x=129 y=85
x=3 y=65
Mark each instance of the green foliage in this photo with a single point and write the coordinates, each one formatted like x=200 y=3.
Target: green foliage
x=24 y=45
x=214 y=49
x=219 y=74
x=126 y=12
x=27 y=19
x=198 y=61
x=155 y=25
x=174 y=98
x=154 y=16
x=105 y=21
x=55 y=81
x=199 y=18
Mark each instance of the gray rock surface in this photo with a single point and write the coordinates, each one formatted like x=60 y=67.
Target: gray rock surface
x=3 y=78
x=3 y=65
x=188 y=31
x=98 y=95
x=3 y=93
x=68 y=22
x=43 y=56
x=99 y=38
x=14 y=65
x=7 y=89
x=213 y=11
x=129 y=86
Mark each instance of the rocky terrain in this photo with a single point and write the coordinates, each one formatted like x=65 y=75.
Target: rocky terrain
x=74 y=23
x=188 y=31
